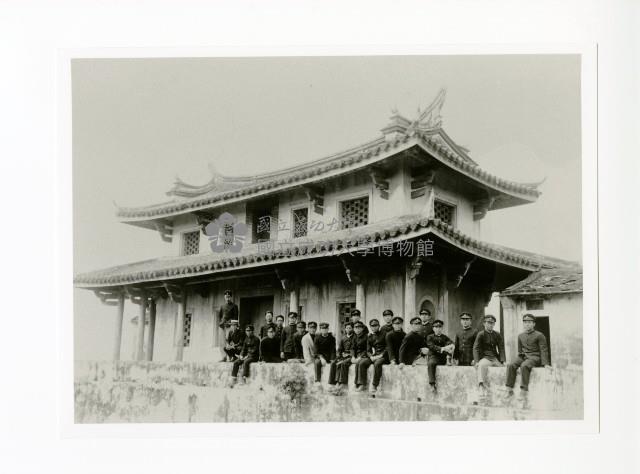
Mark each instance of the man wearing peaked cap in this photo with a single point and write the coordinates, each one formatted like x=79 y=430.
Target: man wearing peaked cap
x=226 y=312
x=414 y=345
x=376 y=349
x=464 y=340
x=355 y=317
x=488 y=351
x=325 y=345
x=440 y=349
x=387 y=316
x=358 y=350
x=393 y=340
x=532 y=352
x=234 y=340
x=249 y=353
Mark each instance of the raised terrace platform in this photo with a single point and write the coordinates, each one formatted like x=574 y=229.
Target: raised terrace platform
x=116 y=392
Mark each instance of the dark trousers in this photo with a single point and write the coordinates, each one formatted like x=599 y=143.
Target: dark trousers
x=377 y=369
x=432 y=363
x=232 y=352
x=362 y=366
x=525 y=364
x=317 y=366
x=289 y=355
x=339 y=371
x=245 y=366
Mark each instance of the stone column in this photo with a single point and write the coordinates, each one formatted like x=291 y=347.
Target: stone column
x=511 y=325
x=117 y=343
x=294 y=300
x=182 y=302
x=411 y=272
x=361 y=301
x=443 y=304
x=141 y=321
x=152 y=329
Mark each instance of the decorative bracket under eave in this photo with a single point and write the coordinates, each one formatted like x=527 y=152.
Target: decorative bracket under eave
x=175 y=292
x=414 y=266
x=458 y=276
x=481 y=208
x=165 y=229
x=285 y=279
x=380 y=181
x=350 y=269
x=109 y=298
x=203 y=219
x=315 y=195
x=420 y=179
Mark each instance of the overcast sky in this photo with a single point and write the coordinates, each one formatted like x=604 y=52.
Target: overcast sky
x=139 y=123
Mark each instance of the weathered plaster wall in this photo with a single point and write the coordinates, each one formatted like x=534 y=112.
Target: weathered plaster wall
x=189 y=392
x=565 y=326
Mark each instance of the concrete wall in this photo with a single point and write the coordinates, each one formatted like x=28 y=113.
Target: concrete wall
x=190 y=392
x=565 y=326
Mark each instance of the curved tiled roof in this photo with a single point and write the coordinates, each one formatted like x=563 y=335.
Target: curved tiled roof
x=341 y=242
x=436 y=142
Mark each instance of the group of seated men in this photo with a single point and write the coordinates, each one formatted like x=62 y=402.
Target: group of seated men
x=384 y=344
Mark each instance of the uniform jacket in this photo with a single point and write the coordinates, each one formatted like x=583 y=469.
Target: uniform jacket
x=308 y=347
x=297 y=343
x=345 y=346
x=465 y=339
x=385 y=328
x=227 y=312
x=533 y=345
x=251 y=347
x=286 y=339
x=376 y=344
x=270 y=349
x=263 y=329
x=236 y=337
x=435 y=344
x=394 y=340
x=410 y=347
x=426 y=330
x=489 y=345
x=325 y=346
x=359 y=347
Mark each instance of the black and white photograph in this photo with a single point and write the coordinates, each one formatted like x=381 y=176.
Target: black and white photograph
x=286 y=239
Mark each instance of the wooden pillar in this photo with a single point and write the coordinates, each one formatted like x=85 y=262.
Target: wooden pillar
x=117 y=342
x=182 y=302
x=141 y=321
x=294 y=301
x=510 y=325
x=361 y=302
x=443 y=304
x=152 y=329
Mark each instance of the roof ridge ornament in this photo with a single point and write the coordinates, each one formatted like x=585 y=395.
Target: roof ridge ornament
x=430 y=118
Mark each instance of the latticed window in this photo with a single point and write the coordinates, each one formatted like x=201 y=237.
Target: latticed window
x=443 y=211
x=300 y=222
x=191 y=243
x=354 y=213
x=186 y=333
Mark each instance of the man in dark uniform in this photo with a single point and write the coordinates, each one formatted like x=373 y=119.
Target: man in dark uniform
x=532 y=352
x=343 y=358
x=465 y=338
x=287 y=345
x=361 y=354
x=270 y=347
x=234 y=341
x=226 y=312
x=413 y=346
x=355 y=317
x=325 y=345
x=279 y=326
x=440 y=347
x=387 y=316
x=488 y=351
x=393 y=340
x=249 y=353
x=376 y=349
x=268 y=321
x=301 y=330
x=427 y=322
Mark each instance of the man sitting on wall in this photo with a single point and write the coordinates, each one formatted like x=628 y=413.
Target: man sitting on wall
x=532 y=352
x=391 y=355
x=301 y=331
x=268 y=320
x=427 y=323
x=279 y=326
x=343 y=359
x=270 y=347
x=440 y=349
x=376 y=347
x=325 y=345
x=414 y=345
x=249 y=353
x=465 y=338
x=359 y=353
x=387 y=316
x=488 y=351
x=227 y=312
x=234 y=341
x=308 y=345
x=287 y=345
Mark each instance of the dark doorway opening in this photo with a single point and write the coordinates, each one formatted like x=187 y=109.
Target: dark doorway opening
x=542 y=325
x=252 y=310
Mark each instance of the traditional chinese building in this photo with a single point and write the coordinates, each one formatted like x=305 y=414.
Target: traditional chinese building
x=393 y=223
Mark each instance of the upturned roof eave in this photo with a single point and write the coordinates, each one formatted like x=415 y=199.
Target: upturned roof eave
x=360 y=161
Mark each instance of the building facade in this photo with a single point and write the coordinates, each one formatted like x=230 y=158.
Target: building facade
x=393 y=223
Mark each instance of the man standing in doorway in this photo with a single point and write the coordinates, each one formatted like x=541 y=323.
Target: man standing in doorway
x=287 y=344
x=228 y=311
